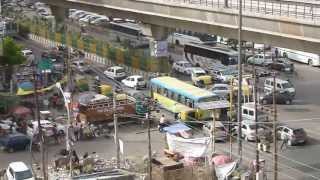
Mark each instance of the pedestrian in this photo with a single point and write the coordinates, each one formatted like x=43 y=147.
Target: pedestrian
x=55 y=134
x=276 y=52
x=77 y=131
x=162 y=123
x=284 y=143
x=81 y=131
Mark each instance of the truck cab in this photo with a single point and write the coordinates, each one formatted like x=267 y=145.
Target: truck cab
x=200 y=77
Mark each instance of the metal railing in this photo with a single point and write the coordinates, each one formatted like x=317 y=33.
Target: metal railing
x=292 y=9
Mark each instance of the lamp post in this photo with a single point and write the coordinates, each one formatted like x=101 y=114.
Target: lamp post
x=66 y=98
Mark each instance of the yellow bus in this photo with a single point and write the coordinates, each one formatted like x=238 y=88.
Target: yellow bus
x=189 y=101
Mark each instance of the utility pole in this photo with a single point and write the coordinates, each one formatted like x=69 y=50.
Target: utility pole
x=213 y=131
x=115 y=123
x=239 y=116
x=37 y=118
x=149 y=147
x=230 y=118
x=275 y=143
x=256 y=119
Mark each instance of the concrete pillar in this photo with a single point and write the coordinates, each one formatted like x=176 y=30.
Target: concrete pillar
x=59 y=13
x=159 y=33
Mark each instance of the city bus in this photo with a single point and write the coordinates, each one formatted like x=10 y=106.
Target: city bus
x=185 y=99
x=206 y=55
x=131 y=32
x=300 y=56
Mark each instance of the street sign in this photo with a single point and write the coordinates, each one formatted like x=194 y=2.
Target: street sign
x=159 y=48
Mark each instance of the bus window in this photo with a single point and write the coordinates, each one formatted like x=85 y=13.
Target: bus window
x=179 y=98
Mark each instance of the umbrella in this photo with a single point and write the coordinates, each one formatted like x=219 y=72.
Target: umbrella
x=220 y=160
x=21 y=110
x=26 y=86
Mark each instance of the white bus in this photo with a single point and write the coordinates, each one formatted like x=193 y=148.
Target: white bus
x=300 y=56
x=182 y=39
x=206 y=55
x=129 y=31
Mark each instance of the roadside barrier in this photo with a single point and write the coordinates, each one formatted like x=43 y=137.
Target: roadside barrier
x=94 y=58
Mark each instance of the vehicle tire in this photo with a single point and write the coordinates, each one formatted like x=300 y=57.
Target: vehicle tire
x=287 y=102
x=10 y=150
x=177 y=42
x=285 y=55
x=310 y=62
x=61 y=132
x=264 y=102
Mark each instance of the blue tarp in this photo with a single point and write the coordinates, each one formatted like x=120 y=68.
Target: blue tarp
x=175 y=128
x=26 y=85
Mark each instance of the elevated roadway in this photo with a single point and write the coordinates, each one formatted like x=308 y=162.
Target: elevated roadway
x=289 y=24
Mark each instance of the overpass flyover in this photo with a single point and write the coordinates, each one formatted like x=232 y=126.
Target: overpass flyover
x=290 y=24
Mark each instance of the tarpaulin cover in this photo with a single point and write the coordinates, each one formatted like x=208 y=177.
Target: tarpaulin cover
x=196 y=147
x=26 y=86
x=175 y=128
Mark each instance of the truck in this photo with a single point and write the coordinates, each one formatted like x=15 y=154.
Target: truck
x=101 y=111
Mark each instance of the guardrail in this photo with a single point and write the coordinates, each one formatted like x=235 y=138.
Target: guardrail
x=293 y=9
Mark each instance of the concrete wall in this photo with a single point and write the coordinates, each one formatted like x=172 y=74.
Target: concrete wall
x=276 y=31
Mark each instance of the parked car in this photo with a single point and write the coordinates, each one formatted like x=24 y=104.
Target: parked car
x=27 y=52
x=135 y=81
x=182 y=67
x=222 y=90
x=282 y=65
x=220 y=131
x=14 y=142
x=80 y=66
x=115 y=72
x=260 y=59
x=293 y=135
x=281 y=85
x=18 y=171
x=224 y=75
x=282 y=97
x=47 y=127
x=248 y=130
x=200 y=77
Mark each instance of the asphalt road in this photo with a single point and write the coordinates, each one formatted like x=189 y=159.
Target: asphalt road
x=299 y=162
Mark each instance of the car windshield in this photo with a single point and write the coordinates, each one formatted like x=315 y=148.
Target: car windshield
x=286 y=85
x=119 y=70
x=200 y=74
x=268 y=57
x=187 y=65
x=23 y=175
x=298 y=131
x=140 y=79
x=229 y=72
x=220 y=88
x=253 y=126
x=81 y=64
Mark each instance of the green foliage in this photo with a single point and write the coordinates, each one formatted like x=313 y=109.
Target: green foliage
x=11 y=53
x=24 y=30
x=112 y=54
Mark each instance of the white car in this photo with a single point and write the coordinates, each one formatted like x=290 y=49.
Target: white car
x=248 y=130
x=100 y=20
x=115 y=72
x=18 y=171
x=135 y=81
x=222 y=90
x=47 y=127
x=80 y=66
x=220 y=131
x=184 y=67
x=27 y=52
x=260 y=59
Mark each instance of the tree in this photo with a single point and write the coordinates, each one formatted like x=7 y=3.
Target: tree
x=11 y=53
x=11 y=56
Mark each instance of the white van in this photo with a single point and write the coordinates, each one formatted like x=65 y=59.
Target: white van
x=248 y=113
x=27 y=52
x=281 y=85
x=19 y=171
x=115 y=72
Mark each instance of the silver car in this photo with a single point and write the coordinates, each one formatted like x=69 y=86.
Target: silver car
x=293 y=135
